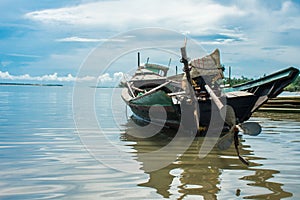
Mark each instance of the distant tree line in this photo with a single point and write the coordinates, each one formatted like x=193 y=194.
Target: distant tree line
x=237 y=81
x=293 y=87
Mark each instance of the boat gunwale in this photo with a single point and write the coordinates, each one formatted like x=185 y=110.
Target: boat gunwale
x=290 y=72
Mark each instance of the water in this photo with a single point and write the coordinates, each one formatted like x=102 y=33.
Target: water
x=42 y=155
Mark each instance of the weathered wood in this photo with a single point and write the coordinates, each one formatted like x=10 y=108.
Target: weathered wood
x=214 y=97
x=282 y=104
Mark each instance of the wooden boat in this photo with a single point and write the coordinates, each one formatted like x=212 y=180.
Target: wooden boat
x=196 y=102
x=150 y=87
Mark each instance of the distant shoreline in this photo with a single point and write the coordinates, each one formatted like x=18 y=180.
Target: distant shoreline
x=31 y=84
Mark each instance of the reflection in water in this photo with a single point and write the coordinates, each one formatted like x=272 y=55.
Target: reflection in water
x=260 y=180
x=278 y=116
x=190 y=175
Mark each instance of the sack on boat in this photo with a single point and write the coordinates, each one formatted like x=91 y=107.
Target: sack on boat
x=207 y=66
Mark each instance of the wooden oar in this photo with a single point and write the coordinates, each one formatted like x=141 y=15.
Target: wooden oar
x=153 y=90
x=226 y=141
x=129 y=86
x=189 y=89
x=248 y=128
x=226 y=112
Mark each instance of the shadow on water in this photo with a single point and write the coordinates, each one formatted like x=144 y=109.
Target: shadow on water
x=190 y=175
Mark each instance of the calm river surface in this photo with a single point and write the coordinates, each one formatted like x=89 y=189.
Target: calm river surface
x=43 y=154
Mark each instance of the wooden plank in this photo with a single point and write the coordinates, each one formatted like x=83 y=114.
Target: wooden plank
x=282 y=105
x=281 y=110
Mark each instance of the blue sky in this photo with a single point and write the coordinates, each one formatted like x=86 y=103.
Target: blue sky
x=49 y=39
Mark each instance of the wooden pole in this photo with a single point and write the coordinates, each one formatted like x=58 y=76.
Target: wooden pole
x=185 y=62
x=229 y=76
x=139 y=59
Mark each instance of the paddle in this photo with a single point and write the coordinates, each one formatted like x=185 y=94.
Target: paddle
x=228 y=115
x=226 y=141
x=250 y=128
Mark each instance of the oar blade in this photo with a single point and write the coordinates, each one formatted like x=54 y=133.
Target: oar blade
x=225 y=142
x=228 y=115
x=251 y=128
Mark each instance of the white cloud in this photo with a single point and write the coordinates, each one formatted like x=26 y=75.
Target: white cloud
x=246 y=28
x=219 y=42
x=247 y=20
x=80 y=39
x=23 y=55
x=104 y=78
x=50 y=77
x=193 y=16
x=250 y=20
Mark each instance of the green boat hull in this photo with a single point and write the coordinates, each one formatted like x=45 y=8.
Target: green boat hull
x=244 y=105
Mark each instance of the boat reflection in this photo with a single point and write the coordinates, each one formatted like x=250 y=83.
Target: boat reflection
x=189 y=174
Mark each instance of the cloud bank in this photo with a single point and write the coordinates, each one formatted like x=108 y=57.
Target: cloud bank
x=195 y=17
x=81 y=39
x=251 y=34
x=128 y=14
x=103 y=79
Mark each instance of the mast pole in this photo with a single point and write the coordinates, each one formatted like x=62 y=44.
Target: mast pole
x=229 y=75
x=138 y=59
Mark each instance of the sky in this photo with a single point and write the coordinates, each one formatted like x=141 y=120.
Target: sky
x=52 y=40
